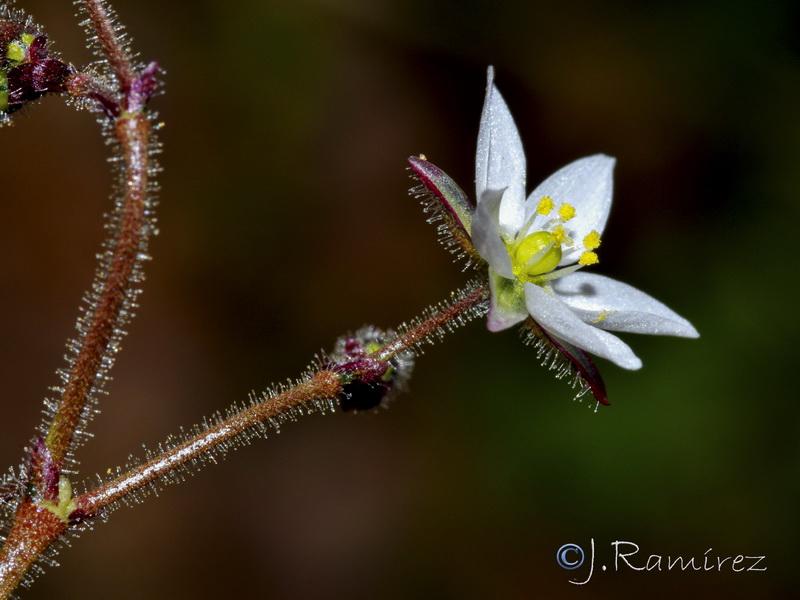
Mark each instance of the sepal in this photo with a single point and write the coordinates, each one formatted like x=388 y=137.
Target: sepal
x=507 y=304
x=567 y=360
x=448 y=205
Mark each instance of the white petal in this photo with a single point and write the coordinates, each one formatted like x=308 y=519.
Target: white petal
x=507 y=305
x=617 y=306
x=551 y=313
x=500 y=161
x=486 y=237
x=587 y=184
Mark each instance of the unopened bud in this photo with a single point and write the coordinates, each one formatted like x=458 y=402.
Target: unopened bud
x=368 y=382
x=28 y=69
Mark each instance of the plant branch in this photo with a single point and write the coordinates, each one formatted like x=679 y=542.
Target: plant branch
x=323 y=384
x=132 y=131
x=35 y=528
x=326 y=383
x=113 y=294
x=41 y=521
x=114 y=51
x=469 y=299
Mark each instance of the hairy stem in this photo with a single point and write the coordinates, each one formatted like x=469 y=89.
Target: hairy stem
x=112 y=295
x=323 y=384
x=132 y=131
x=474 y=295
x=35 y=528
x=113 y=50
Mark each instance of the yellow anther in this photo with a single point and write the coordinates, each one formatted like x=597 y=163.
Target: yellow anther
x=588 y=258
x=560 y=234
x=592 y=241
x=545 y=206
x=566 y=212
x=601 y=317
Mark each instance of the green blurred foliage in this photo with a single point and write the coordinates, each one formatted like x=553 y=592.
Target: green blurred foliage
x=285 y=222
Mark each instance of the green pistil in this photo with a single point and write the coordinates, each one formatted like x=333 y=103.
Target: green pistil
x=538 y=253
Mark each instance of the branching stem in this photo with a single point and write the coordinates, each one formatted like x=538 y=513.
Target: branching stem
x=45 y=509
x=323 y=384
x=35 y=527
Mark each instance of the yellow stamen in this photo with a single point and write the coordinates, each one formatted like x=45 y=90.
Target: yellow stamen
x=592 y=241
x=566 y=212
x=588 y=258
x=560 y=234
x=545 y=206
x=602 y=317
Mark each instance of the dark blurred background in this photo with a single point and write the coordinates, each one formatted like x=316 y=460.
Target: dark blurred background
x=285 y=222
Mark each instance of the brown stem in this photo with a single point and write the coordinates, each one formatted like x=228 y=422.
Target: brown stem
x=35 y=528
x=323 y=384
x=474 y=295
x=113 y=49
x=133 y=134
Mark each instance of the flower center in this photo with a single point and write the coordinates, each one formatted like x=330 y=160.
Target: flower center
x=538 y=253
x=535 y=258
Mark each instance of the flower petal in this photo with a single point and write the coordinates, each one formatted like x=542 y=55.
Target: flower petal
x=587 y=184
x=507 y=304
x=616 y=306
x=553 y=315
x=500 y=160
x=486 y=237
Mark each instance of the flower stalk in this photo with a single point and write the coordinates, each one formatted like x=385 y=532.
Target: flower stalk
x=133 y=133
x=328 y=383
x=101 y=23
x=321 y=385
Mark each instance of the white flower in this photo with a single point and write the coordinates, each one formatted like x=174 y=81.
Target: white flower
x=536 y=246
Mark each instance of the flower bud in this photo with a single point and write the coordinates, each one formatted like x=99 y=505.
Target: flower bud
x=368 y=382
x=28 y=69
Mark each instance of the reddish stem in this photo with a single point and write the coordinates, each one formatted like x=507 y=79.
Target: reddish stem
x=323 y=384
x=114 y=51
x=472 y=297
x=34 y=529
x=133 y=133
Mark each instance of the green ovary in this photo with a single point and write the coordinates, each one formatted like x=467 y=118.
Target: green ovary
x=538 y=253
